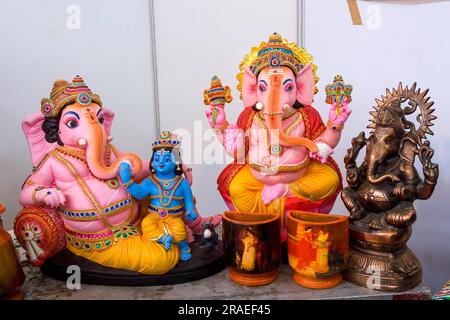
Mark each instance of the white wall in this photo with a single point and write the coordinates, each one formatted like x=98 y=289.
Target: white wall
x=411 y=44
x=198 y=38
x=111 y=52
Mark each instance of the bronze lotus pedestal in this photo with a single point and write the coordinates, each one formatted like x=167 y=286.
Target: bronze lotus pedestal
x=381 y=191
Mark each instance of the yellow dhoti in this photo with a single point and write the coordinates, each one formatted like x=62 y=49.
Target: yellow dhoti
x=156 y=226
x=319 y=182
x=134 y=252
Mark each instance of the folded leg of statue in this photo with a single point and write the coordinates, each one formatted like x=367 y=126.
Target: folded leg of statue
x=136 y=253
x=402 y=215
x=319 y=182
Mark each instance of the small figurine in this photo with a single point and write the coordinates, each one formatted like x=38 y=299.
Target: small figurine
x=170 y=195
x=381 y=191
x=209 y=236
x=280 y=144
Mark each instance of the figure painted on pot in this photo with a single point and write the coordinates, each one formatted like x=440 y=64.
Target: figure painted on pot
x=73 y=199
x=280 y=145
x=248 y=259
x=170 y=195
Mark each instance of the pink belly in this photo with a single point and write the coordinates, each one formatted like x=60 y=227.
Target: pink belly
x=76 y=199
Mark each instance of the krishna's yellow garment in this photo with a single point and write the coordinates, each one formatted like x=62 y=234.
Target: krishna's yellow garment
x=136 y=253
x=156 y=226
x=319 y=182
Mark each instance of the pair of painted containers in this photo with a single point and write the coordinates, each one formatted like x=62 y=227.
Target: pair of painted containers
x=317 y=247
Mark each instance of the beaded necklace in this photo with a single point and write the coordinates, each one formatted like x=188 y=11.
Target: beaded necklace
x=165 y=192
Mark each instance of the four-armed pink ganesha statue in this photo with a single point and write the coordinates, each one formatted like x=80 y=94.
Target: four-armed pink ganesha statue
x=280 y=145
x=74 y=199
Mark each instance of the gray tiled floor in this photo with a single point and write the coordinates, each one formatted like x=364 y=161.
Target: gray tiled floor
x=39 y=286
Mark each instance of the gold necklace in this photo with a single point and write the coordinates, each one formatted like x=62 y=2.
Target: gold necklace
x=166 y=183
x=165 y=192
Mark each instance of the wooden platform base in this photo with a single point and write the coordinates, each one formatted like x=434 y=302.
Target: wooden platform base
x=204 y=263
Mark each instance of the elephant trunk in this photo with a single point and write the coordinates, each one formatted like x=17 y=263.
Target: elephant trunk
x=274 y=117
x=372 y=164
x=95 y=153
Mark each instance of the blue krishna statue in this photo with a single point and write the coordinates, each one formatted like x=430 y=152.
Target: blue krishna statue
x=170 y=195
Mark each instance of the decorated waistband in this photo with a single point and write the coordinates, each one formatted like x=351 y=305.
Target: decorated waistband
x=165 y=212
x=280 y=168
x=98 y=241
x=92 y=214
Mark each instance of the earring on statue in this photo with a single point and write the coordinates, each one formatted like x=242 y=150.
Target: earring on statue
x=178 y=167
x=152 y=170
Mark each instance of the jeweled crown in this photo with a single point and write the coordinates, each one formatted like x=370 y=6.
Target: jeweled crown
x=274 y=54
x=64 y=93
x=277 y=52
x=167 y=140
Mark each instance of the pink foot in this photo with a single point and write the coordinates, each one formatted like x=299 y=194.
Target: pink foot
x=273 y=192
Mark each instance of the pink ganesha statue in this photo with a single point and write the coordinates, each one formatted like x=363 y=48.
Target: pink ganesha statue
x=74 y=200
x=280 y=145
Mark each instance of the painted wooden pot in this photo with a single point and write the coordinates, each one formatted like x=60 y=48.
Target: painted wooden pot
x=317 y=248
x=252 y=246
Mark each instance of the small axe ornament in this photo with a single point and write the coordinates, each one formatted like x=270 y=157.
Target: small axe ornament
x=216 y=96
x=337 y=92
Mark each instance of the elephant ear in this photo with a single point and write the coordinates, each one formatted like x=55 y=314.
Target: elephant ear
x=109 y=117
x=39 y=147
x=305 y=85
x=249 y=94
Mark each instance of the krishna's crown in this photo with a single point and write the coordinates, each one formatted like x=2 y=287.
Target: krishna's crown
x=277 y=52
x=167 y=140
x=64 y=93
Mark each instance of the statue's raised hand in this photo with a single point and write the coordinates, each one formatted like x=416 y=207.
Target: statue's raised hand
x=358 y=143
x=52 y=197
x=125 y=172
x=339 y=118
x=233 y=139
x=216 y=116
x=430 y=169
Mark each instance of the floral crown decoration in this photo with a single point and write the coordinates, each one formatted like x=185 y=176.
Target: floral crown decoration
x=167 y=140
x=64 y=93
x=277 y=52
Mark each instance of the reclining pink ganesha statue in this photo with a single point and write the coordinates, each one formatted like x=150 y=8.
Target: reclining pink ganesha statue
x=73 y=199
x=280 y=145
